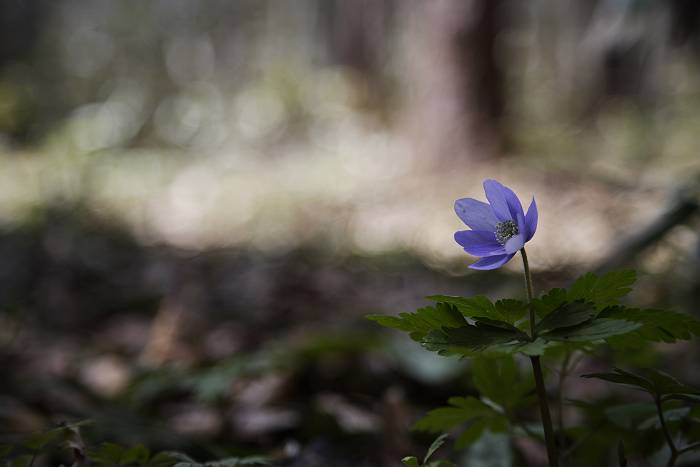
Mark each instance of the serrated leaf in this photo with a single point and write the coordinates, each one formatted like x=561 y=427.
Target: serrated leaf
x=591 y=331
x=566 y=315
x=621 y=376
x=498 y=379
x=655 y=382
x=480 y=306
x=602 y=291
x=423 y=320
x=466 y=340
x=667 y=384
x=549 y=302
x=655 y=326
x=512 y=310
x=461 y=410
x=410 y=461
x=439 y=441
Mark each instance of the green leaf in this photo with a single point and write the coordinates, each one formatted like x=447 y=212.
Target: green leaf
x=498 y=379
x=480 y=306
x=651 y=380
x=471 y=434
x=476 y=429
x=624 y=377
x=467 y=339
x=655 y=326
x=566 y=315
x=423 y=320
x=511 y=310
x=549 y=302
x=603 y=291
x=137 y=455
x=629 y=416
x=410 y=461
x=439 y=441
x=667 y=384
x=461 y=410
x=591 y=331
x=109 y=454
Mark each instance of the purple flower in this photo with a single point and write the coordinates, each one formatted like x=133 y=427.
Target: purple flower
x=499 y=228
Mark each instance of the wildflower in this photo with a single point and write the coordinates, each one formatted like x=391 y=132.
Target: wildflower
x=499 y=228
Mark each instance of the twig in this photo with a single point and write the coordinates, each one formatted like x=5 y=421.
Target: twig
x=667 y=433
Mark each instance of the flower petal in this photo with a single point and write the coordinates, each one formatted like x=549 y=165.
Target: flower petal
x=479 y=242
x=531 y=220
x=476 y=214
x=514 y=244
x=505 y=204
x=491 y=262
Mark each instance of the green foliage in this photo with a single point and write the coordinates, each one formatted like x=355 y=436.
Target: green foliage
x=667 y=393
x=591 y=331
x=499 y=380
x=586 y=314
x=657 y=383
x=412 y=461
x=566 y=315
x=114 y=455
x=477 y=415
x=655 y=326
x=602 y=291
x=469 y=339
x=480 y=307
x=423 y=321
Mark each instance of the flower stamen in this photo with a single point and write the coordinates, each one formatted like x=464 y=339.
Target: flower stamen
x=505 y=231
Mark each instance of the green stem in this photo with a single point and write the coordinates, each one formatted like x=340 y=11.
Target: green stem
x=549 y=439
x=560 y=400
x=667 y=433
x=528 y=284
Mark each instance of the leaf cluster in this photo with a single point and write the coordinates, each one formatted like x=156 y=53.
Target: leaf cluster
x=503 y=390
x=669 y=396
x=586 y=314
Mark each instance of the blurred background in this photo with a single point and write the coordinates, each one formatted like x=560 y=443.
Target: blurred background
x=200 y=201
